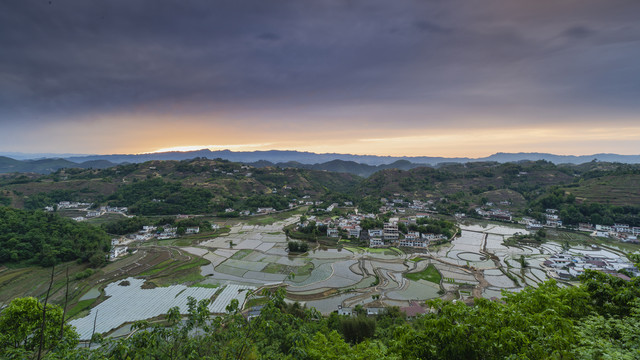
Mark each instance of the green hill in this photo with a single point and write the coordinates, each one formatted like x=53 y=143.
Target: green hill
x=613 y=189
x=171 y=187
x=46 y=238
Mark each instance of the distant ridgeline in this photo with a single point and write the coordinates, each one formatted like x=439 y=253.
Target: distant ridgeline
x=36 y=237
x=361 y=165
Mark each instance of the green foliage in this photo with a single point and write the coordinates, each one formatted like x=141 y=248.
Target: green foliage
x=598 y=320
x=157 y=197
x=430 y=274
x=21 y=329
x=368 y=224
x=436 y=226
x=5 y=201
x=125 y=226
x=357 y=329
x=609 y=337
x=572 y=213
x=369 y=205
x=40 y=200
x=297 y=246
x=266 y=201
x=83 y=274
x=46 y=238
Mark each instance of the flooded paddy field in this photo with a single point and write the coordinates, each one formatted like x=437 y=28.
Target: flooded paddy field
x=475 y=264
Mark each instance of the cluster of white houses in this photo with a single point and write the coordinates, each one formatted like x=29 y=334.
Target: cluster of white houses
x=389 y=235
x=495 y=214
x=117 y=249
x=68 y=205
x=622 y=232
x=349 y=225
x=82 y=206
x=400 y=206
x=568 y=266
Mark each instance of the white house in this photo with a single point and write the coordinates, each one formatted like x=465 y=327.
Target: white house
x=376 y=242
x=332 y=232
x=192 y=230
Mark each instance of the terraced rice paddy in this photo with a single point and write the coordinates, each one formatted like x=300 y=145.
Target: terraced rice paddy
x=249 y=257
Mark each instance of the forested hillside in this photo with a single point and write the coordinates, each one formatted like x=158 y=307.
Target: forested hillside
x=36 y=237
x=593 y=192
x=172 y=187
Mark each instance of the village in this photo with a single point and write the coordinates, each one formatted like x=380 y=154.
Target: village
x=620 y=232
x=568 y=266
x=87 y=208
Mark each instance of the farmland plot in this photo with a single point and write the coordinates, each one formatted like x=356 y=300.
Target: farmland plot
x=131 y=303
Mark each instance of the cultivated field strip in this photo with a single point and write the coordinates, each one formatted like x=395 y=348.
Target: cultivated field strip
x=232 y=291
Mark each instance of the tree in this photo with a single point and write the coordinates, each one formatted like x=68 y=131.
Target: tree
x=21 y=326
x=357 y=329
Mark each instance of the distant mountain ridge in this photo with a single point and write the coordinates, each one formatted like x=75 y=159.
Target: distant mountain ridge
x=46 y=166
x=342 y=166
x=362 y=165
x=303 y=157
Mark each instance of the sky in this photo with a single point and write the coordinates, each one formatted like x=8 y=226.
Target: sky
x=401 y=77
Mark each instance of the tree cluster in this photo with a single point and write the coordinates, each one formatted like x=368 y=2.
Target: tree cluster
x=297 y=246
x=47 y=238
x=157 y=197
x=266 y=201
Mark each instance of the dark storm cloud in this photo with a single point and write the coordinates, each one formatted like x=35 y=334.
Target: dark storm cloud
x=579 y=32
x=75 y=57
x=431 y=27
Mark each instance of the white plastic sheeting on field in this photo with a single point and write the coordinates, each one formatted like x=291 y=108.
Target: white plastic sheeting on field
x=131 y=303
x=231 y=292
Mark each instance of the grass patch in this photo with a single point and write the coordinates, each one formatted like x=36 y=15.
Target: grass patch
x=158 y=268
x=207 y=286
x=430 y=274
x=374 y=250
x=241 y=254
x=80 y=307
x=274 y=268
x=256 y=301
x=416 y=259
x=179 y=278
x=192 y=264
x=304 y=270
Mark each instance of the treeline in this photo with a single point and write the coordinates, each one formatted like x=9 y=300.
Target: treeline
x=600 y=319
x=5 y=200
x=266 y=201
x=157 y=197
x=36 y=237
x=40 y=200
x=135 y=224
x=434 y=226
x=311 y=231
x=126 y=226
x=573 y=213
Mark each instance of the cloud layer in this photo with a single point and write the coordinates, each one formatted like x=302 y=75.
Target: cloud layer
x=338 y=65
